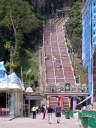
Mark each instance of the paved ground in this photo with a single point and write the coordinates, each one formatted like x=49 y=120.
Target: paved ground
x=39 y=123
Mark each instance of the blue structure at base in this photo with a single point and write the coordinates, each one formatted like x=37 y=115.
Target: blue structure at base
x=89 y=38
x=3 y=75
x=10 y=83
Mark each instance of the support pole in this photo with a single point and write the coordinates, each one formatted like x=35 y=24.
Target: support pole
x=29 y=107
x=74 y=103
x=91 y=55
x=12 y=105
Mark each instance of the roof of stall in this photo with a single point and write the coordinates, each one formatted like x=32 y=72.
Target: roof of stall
x=11 y=81
x=2 y=67
x=15 y=82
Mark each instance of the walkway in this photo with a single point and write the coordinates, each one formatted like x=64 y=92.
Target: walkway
x=38 y=123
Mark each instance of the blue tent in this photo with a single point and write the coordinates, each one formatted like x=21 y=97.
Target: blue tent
x=11 y=81
x=89 y=40
x=2 y=67
x=3 y=75
x=15 y=82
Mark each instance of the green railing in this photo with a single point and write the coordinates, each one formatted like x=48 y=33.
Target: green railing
x=68 y=113
x=90 y=117
x=71 y=114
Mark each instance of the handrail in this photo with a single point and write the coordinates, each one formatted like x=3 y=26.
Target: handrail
x=69 y=57
x=52 y=56
x=61 y=89
x=60 y=54
x=43 y=52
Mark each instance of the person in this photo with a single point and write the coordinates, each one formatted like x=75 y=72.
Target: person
x=47 y=41
x=43 y=110
x=26 y=111
x=55 y=59
x=39 y=109
x=58 y=112
x=49 y=112
x=34 y=112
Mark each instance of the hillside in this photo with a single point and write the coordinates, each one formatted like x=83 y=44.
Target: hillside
x=21 y=30
x=74 y=34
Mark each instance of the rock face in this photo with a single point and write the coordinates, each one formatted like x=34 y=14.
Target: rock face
x=42 y=3
x=68 y=2
x=38 y=3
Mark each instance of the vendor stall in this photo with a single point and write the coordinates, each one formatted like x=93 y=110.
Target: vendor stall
x=11 y=93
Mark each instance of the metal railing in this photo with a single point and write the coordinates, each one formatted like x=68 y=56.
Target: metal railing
x=62 y=89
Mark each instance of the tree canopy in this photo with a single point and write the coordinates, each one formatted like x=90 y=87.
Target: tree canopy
x=74 y=26
x=18 y=25
x=21 y=33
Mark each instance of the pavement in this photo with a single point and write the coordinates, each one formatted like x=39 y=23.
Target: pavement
x=39 y=123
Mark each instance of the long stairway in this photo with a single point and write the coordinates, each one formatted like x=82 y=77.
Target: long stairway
x=57 y=60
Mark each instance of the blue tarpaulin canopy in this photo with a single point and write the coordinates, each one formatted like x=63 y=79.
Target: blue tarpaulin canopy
x=3 y=75
x=2 y=67
x=11 y=81
x=14 y=81
x=93 y=26
x=89 y=39
x=13 y=78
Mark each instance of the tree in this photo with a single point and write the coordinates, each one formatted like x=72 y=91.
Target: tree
x=18 y=19
x=74 y=27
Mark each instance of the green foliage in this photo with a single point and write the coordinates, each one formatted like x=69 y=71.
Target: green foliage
x=8 y=45
x=30 y=74
x=19 y=28
x=74 y=26
x=19 y=19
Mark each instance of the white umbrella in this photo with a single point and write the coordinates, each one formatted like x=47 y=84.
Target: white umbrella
x=29 y=90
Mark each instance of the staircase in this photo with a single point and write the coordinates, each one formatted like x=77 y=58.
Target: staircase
x=57 y=60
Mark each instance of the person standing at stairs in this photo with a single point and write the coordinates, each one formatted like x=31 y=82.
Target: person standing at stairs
x=58 y=112
x=49 y=112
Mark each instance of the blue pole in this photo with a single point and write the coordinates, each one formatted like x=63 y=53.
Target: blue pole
x=12 y=105
x=91 y=56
